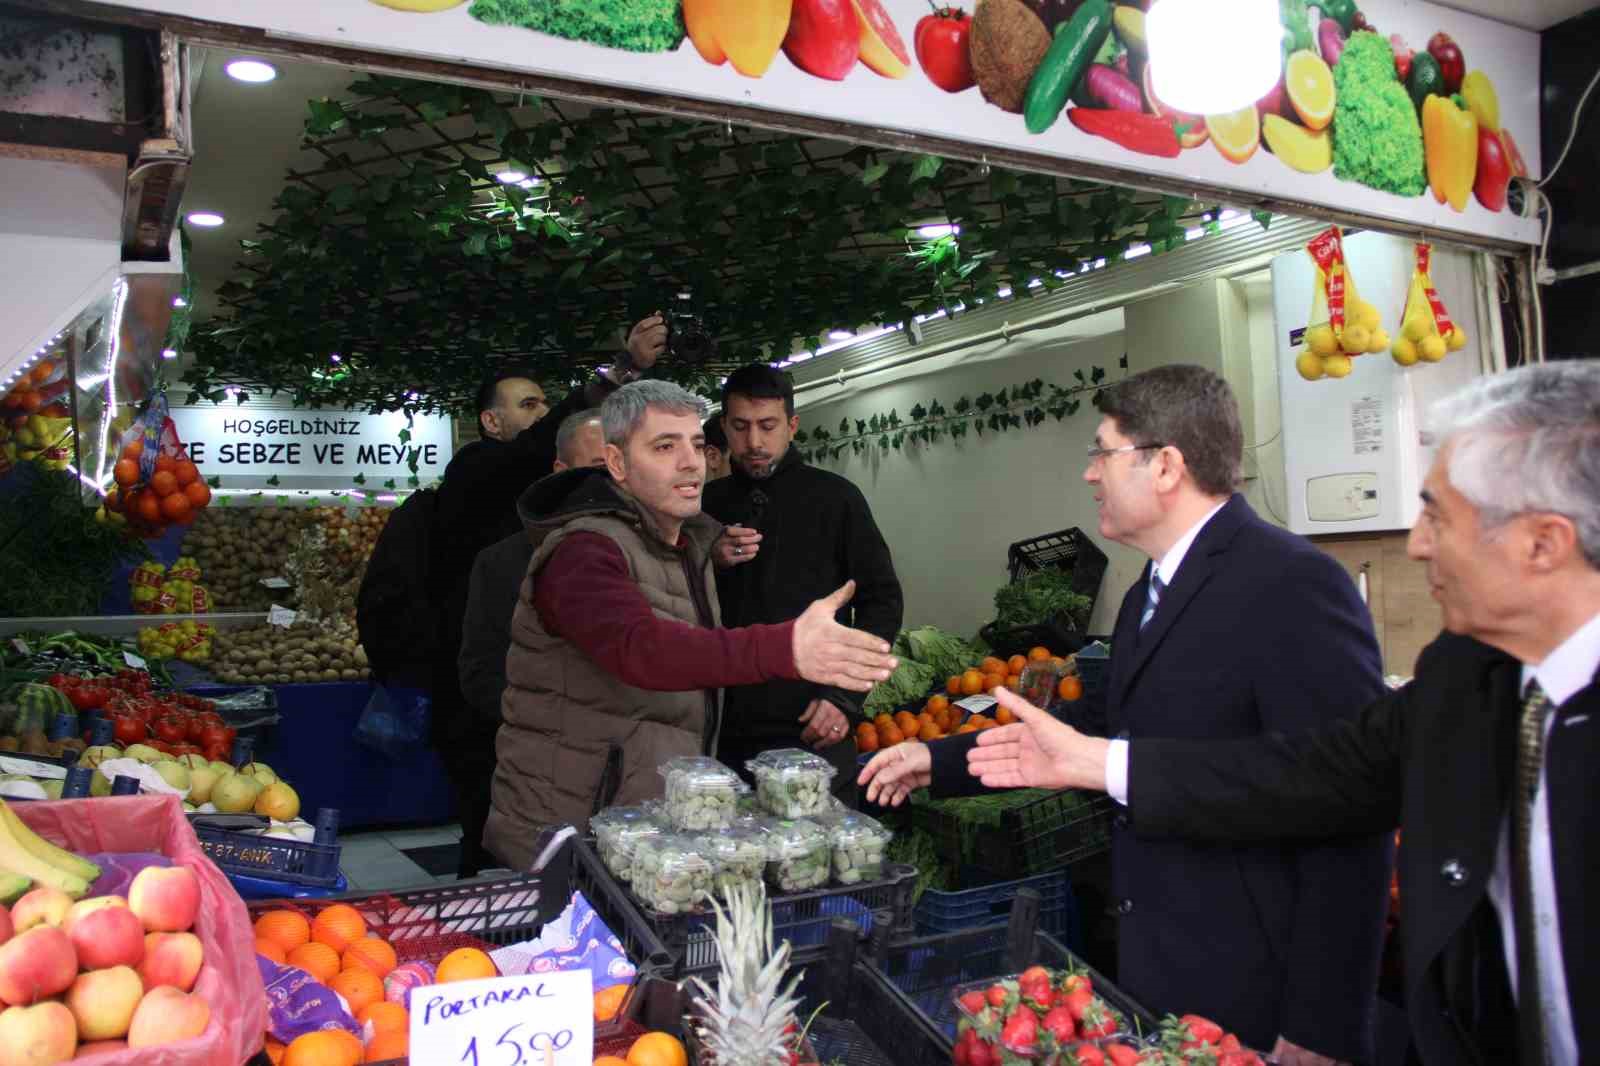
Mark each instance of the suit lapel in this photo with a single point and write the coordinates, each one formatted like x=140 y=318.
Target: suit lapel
x=1124 y=636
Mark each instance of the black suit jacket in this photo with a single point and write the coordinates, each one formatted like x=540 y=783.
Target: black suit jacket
x=1259 y=632
x=1437 y=758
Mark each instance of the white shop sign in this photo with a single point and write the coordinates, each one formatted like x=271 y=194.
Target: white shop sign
x=319 y=448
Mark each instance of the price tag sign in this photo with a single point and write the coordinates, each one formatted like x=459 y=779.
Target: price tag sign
x=133 y=660
x=531 y=1020
x=976 y=704
x=280 y=616
x=21 y=646
x=275 y=582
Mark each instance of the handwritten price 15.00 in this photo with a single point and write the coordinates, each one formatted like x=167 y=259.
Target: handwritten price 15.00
x=513 y=1056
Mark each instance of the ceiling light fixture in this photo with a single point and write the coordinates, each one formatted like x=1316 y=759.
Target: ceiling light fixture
x=839 y=334
x=179 y=301
x=511 y=177
x=1185 y=36
x=169 y=353
x=254 y=71
x=934 y=232
x=205 y=219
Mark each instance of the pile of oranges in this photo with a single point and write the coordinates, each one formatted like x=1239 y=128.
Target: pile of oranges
x=338 y=950
x=173 y=495
x=651 y=1049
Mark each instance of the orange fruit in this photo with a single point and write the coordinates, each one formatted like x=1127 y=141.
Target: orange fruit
x=371 y=953
x=889 y=736
x=866 y=739
x=608 y=1001
x=953 y=685
x=1003 y=716
x=1016 y=664
x=938 y=704
x=929 y=731
x=1237 y=134
x=993 y=681
x=288 y=929
x=883 y=720
x=164 y=483
x=338 y=926
x=274 y=1050
x=385 y=1017
x=133 y=449
x=971 y=683
x=386 y=1046
x=1070 y=688
x=610 y=1060
x=199 y=494
x=465 y=964
x=126 y=472
x=657 y=1049
x=991 y=665
x=907 y=722
x=1038 y=654
x=187 y=473
x=967 y=727
x=1014 y=682
x=1309 y=85
x=360 y=988
x=166 y=463
x=318 y=960
x=325 y=1047
x=176 y=507
x=271 y=950
x=148 y=508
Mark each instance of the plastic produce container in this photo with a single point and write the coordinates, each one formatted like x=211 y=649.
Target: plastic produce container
x=799 y=856
x=791 y=783
x=701 y=793
x=856 y=845
x=671 y=873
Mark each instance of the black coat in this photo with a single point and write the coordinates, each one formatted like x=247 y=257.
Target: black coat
x=817 y=533
x=492 y=592
x=1437 y=757
x=1260 y=632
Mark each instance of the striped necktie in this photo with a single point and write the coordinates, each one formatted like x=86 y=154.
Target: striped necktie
x=1536 y=709
x=1153 y=600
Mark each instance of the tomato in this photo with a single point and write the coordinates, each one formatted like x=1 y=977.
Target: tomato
x=218 y=752
x=160 y=745
x=215 y=734
x=941 y=41
x=127 y=730
x=171 y=729
x=186 y=749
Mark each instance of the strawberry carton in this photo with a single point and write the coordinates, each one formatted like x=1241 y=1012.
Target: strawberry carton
x=1039 y=1014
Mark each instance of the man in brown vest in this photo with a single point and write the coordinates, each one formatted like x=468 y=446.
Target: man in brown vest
x=616 y=651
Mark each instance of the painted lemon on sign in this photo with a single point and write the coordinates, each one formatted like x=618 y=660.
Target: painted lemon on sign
x=419 y=5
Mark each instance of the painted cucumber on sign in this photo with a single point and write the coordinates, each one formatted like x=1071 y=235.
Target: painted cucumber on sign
x=1396 y=110
x=313 y=449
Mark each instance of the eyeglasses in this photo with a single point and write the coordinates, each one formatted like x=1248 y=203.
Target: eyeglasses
x=1098 y=454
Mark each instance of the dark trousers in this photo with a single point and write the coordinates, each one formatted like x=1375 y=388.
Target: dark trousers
x=469 y=764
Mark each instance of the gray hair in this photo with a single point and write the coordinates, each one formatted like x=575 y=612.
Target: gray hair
x=625 y=409
x=568 y=431
x=1528 y=441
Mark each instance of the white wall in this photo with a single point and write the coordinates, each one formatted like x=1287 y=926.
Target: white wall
x=949 y=511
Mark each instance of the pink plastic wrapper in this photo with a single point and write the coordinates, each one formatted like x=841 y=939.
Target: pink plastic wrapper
x=118 y=869
x=298 y=1003
x=229 y=980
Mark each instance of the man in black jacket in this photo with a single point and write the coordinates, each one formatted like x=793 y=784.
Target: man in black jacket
x=795 y=533
x=1487 y=757
x=477 y=506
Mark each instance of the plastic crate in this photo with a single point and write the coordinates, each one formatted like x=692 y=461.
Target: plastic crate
x=295 y=861
x=973 y=908
x=1058 y=634
x=802 y=918
x=927 y=971
x=1048 y=833
x=1067 y=549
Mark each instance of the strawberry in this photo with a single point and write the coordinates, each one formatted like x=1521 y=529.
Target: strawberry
x=1098 y=1020
x=1084 y=1055
x=1039 y=997
x=1238 y=1058
x=972 y=1002
x=1060 y=1023
x=983 y=1053
x=1201 y=1030
x=1077 y=1000
x=1123 y=1055
x=997 y=995
x=1076 y=981
x=1034 y=975
x=962 y=1054
x=1020 y=1033
x=1229 y=1042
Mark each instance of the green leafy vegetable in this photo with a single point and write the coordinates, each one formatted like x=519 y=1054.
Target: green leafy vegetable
x=1377 y=139
x=55 y=559
x=910 y=681
x=1296 y=21
x=1038 y=598
x=946 y=653
x=632 y=25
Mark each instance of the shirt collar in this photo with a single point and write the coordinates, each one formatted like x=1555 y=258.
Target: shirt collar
x=1167 y=568
x=1571 y=667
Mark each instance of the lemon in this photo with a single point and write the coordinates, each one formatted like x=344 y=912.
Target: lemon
x=1357 y=339
x=1309 y=365
x=1320 y=339
x=1431 y=349
x=1309 y=83
x=1237 y=134
x=1308 y=151
x=1457 y=339
x=1415 y=328
x=1337 y=366
x=1365 y=315
x=1404 y=352
x=419 y=5
x=1380 y=341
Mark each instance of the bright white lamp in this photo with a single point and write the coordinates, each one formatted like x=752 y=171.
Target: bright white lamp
x=1210 y=57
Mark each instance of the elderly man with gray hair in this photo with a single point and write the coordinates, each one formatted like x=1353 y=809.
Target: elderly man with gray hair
x=617 y=654
x=1487 y=759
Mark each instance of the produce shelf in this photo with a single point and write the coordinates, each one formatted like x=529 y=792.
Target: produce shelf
x=1022 y=833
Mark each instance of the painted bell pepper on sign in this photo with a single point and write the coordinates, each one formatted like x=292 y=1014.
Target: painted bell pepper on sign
x=1450 y=142
x=747 y=33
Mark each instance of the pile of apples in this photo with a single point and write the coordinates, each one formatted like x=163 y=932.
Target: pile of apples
x=103 y=973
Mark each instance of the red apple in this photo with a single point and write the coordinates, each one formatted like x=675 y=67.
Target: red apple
x=171 y=959
x=37 y=1036
x=166 y=899
x=166 y=1016
x=1494 y=170
x=42 y=906
x=36 y=965
x=824 y=37
x=103 y=1001
x=105 y=935
x=6 y=928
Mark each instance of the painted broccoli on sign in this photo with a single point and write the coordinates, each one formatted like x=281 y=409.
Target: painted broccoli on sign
x=632 y=25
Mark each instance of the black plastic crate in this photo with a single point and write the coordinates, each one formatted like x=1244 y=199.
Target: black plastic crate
x=1066 y=549
x=1048 y=833
x=802 y=918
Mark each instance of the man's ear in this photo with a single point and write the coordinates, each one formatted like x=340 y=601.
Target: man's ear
x=559 y=466
x=616 y=463
x=490 y=423
x=794 y=424
x=1552 y=542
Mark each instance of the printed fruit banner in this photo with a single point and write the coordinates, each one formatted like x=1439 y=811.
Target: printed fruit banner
x=1405 y=111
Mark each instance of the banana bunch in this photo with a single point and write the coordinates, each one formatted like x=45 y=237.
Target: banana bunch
x=1333 y=340
x=27 y=859
x=1426 y=329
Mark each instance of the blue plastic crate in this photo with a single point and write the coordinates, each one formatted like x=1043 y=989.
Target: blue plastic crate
x=973 y=908
x=272 y=858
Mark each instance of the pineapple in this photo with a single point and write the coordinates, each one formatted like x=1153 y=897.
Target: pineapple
x=749 y=1018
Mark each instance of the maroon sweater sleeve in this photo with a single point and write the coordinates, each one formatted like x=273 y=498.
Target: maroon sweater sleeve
x=585 y=595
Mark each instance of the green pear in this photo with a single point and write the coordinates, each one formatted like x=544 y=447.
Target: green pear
x=235 y=794
x=223 y=769
x=144 y=753
x=194 y=762
x=260 y=771
x=173 y=773
x=53 y=786
x=202 y=780
x=99 y=784
x=93 y=757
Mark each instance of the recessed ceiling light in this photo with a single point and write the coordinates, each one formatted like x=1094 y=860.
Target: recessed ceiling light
x=254 y=71
x=933 y=233
x=207 y=219
x=839 y=335
x=511 y=177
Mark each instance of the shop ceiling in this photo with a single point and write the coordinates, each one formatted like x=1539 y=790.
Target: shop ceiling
x=780 y=240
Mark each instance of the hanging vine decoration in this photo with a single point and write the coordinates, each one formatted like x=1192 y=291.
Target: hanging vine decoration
x=1026 y=405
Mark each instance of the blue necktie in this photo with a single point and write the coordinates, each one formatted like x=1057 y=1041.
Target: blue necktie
x=1153 y=601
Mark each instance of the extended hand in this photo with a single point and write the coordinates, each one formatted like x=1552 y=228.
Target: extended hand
x=835 y=655
x=826 y=724
x=894 y=772
x=738 y=544
x=647 y=340
x=1036 y=751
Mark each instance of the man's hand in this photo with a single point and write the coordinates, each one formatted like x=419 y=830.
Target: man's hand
x=647 y=340
x=894 y=772
x=826 y=724
x=1036 y=751
x=831 y=654
x=1289 y=1054
x=738 y=544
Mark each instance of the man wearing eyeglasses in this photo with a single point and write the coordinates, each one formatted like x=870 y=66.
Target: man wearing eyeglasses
x=1236 y=628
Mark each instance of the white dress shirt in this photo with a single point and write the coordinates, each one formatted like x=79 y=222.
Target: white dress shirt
x=1564 y=672
x=1167 y=570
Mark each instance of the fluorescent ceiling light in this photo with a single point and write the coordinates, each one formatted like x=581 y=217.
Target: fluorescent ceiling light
x=206 y=219
x=254 y=71
x=1184 y=38
x=934 y=232
x=839 y=334
x=511 y=177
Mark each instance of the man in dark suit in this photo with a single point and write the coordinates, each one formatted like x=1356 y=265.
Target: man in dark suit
x=1487 y=757
x=1235 y=628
